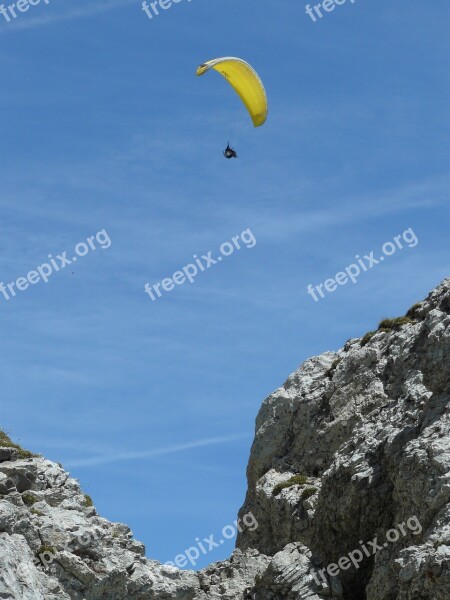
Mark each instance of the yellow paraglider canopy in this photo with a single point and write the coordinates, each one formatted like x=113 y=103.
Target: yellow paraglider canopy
x=245 y=81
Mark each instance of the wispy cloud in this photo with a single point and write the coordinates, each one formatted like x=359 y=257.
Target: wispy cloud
x=112 y=457
x=78 y=12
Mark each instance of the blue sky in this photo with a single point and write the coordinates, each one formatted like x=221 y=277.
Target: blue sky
x=104 y=126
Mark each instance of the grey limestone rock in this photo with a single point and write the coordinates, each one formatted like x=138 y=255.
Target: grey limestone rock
x=348 y=479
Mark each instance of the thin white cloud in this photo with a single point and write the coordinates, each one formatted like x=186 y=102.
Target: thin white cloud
x=112 y=457
x=73 y=13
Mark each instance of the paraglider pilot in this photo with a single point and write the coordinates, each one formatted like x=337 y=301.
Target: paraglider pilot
x=229 y=152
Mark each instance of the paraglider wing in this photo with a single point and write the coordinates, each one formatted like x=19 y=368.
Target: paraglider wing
x=245 y=81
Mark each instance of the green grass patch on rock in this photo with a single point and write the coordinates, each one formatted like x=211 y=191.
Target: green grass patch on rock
x=43 y=549
x=394 y=324
x=412 y=312
x=5 y=442
x=333 y=367
x=295 y=480
x=36 y=512
x=308 y=492
x=29 y=499
x=388 y=325
x=367 y=337
x=88 y=502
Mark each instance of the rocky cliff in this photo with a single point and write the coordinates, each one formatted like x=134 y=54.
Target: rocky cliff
x=349 y=480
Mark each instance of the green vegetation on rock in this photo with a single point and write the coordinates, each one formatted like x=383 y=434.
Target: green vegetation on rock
x=388 y=325
x=307 y=492
x=366 y=339
x=5 y=442
x=29 y=499
x=412 y=312
x=394 y=324
x=295 y=480
x=36 y=512
x=332 y=369
x=88 y=502
x=43 y=549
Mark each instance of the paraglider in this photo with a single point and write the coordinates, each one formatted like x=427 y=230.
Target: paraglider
x=229 y=152
x=246 y=83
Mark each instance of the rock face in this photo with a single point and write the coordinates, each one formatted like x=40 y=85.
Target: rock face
x=349 y=480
